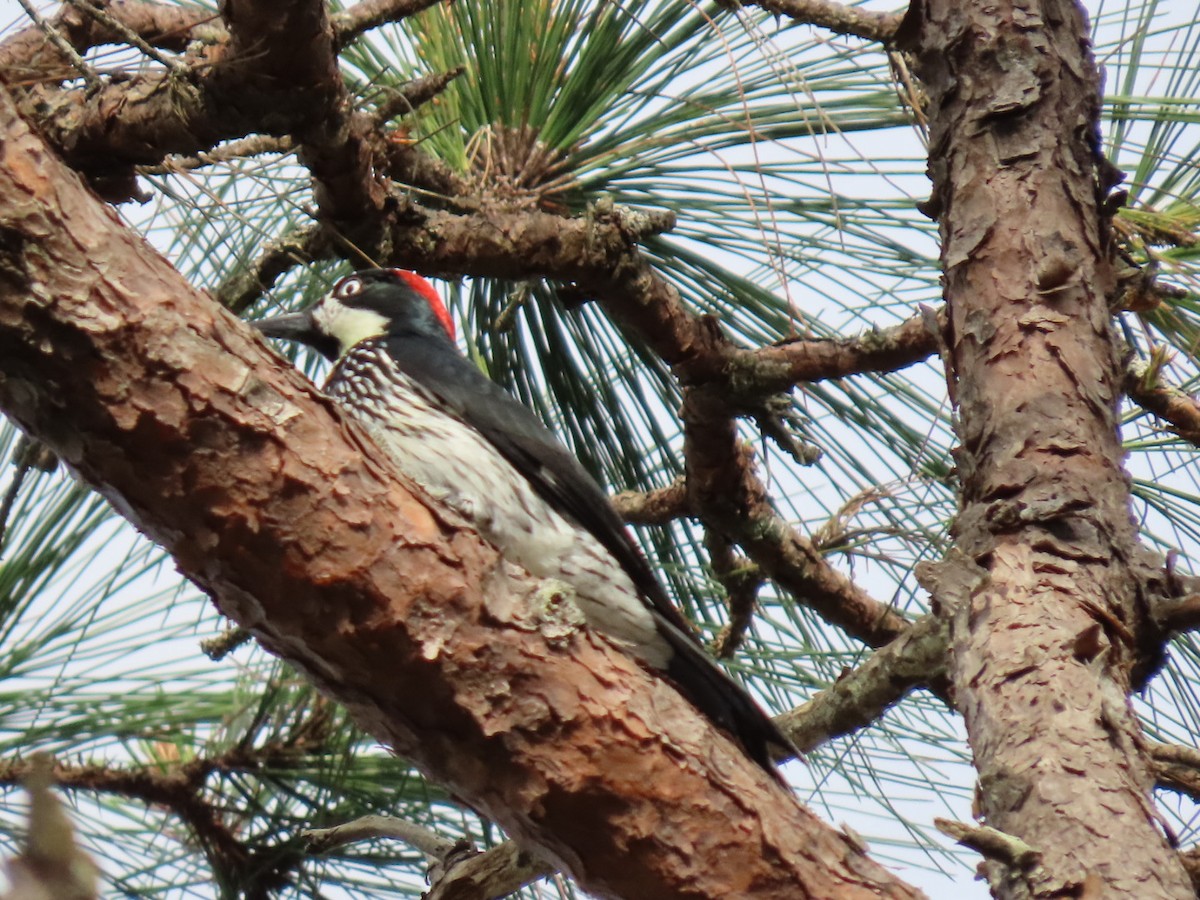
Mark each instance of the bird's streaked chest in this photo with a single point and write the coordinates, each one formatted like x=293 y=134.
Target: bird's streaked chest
x=432 y=445
x=459 y=466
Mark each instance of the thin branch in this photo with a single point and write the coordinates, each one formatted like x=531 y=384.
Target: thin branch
x=130 y=36
x=1177 y=768
x=1178 y=614
x=836 y=17
x=769 y=370
x=991 y=842
x=362 y=17
x=406 y=162
x=657 y=507
x=742 y=580
x=297 y=248
x=365 y=828
x=256 y=145
x=727 y=494
x=917 y=657
x=414 y=94
x=63 y=46
x=1174 y=406
x=858 y=698
x=458 y=871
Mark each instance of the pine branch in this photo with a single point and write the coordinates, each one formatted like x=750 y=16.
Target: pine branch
x=839 y=18
x=417 y=597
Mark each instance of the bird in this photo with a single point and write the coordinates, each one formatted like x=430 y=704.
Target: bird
x=470 y=444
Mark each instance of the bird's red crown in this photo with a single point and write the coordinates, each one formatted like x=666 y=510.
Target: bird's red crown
x=425 y=289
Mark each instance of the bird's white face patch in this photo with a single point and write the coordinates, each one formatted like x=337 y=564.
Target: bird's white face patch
x=346 y=324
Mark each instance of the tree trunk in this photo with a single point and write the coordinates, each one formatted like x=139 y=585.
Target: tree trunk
x=1044 y=646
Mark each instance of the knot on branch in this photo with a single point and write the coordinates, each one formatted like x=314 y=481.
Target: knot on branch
x=415 y=93
x=634 y=225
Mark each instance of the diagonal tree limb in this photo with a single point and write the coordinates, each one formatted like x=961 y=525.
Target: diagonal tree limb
x=298 y=527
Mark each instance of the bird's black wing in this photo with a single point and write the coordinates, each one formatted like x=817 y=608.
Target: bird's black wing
x=523 y=440
x=560 y=480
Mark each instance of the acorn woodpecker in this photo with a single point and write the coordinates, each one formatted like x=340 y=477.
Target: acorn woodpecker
x=486 y=455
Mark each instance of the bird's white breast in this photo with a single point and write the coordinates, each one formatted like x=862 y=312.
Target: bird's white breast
x=456 y=464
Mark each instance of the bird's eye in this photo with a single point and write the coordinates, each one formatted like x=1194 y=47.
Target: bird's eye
x=348 y=287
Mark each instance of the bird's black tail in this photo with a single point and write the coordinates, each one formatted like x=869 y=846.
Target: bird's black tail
x=723 y=700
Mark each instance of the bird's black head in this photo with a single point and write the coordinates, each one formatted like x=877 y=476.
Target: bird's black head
x=367 y=304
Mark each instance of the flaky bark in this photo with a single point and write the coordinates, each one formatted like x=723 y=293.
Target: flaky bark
x=1044 y=645
x=298 y=528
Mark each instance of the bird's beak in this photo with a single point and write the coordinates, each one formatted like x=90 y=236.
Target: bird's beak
x=291 y=327
x=298 y=327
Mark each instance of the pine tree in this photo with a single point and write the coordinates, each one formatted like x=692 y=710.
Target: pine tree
x=852 y=310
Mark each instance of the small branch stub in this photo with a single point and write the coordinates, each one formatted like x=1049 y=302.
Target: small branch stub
x=991 y=842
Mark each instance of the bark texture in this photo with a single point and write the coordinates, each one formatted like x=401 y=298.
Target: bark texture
x=1043 y=646
x=300 y=530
